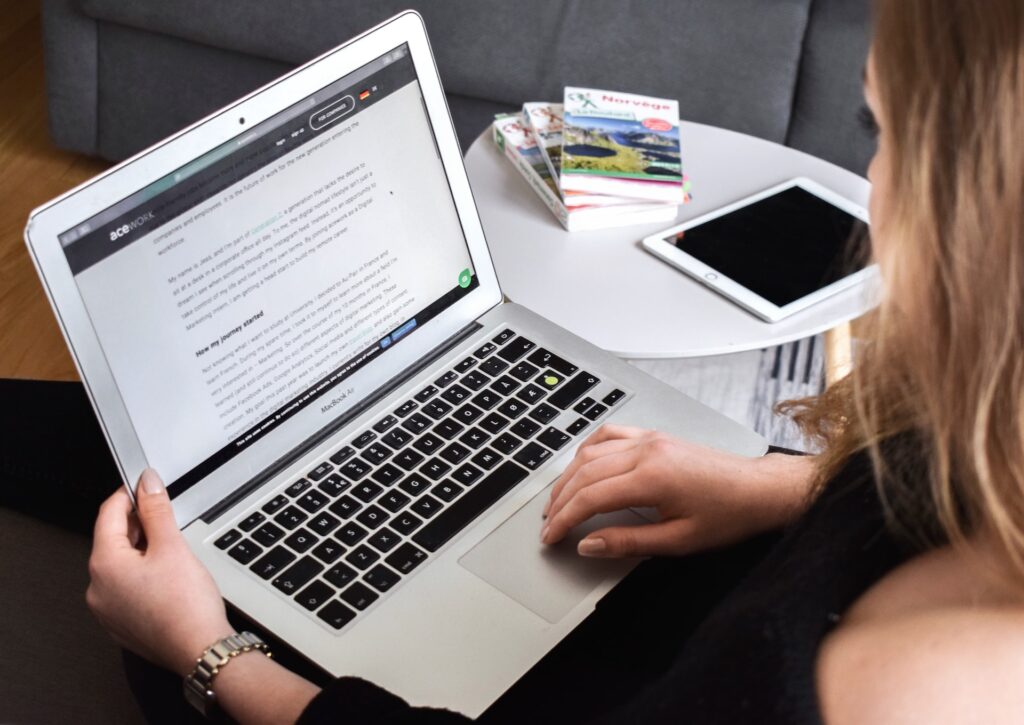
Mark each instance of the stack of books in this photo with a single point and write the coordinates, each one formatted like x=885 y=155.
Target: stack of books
x=600 y=159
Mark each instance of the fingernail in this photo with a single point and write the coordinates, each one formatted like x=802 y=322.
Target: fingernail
x=544 y=534
x=151 y=482
x=591 y=547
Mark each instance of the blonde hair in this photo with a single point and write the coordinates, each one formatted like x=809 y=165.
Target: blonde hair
x=943 y=360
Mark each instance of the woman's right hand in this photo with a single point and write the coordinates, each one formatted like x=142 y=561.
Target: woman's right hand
x=705 y=497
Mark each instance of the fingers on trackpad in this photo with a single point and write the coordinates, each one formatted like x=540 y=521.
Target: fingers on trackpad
x=548 y=580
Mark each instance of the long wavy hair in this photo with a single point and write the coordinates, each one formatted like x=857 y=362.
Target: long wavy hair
x=943 y=355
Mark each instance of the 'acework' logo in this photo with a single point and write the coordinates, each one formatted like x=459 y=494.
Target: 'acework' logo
x=131 y=226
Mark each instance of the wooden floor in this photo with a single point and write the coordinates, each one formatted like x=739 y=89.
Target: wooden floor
x=32 y=171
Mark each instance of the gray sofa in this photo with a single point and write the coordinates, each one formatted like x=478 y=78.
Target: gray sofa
x=121 y=75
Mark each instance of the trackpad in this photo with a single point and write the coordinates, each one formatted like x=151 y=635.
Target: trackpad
x=548 y=580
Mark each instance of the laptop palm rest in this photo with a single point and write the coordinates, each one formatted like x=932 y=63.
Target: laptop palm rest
x=548 y=580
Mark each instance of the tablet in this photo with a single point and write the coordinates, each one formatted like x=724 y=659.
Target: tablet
x=776 y=252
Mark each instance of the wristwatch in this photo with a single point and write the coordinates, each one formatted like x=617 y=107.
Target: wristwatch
x=199 y=682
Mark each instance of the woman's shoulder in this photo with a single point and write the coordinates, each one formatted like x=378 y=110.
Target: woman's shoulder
x=935 y=641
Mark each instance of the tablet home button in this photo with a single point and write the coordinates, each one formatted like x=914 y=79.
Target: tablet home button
x=711 y=276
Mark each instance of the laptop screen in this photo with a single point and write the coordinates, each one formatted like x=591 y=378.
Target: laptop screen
x=250 y=283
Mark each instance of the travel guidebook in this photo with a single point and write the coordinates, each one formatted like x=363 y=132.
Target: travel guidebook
x=511 y=133
x=621 y=144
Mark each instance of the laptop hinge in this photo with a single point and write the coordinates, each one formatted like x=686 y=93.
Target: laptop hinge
x=214 y=512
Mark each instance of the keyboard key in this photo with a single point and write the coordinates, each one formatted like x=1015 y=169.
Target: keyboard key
x=545 y=359
x=524 y=371
x=336 y=614
x=345 y=507
x=581 y=407
x=301 y=540
x=359 y=596
x=377 y=453
x=434 y=469
x=486 y=350
x=406 y=558
x=313 y=501
x=502 y=337
x=494 y=422
x=291 y=517
x=493 y=366
x=334 y=485
x=372 y=517
x=362 y=557
x=532 y=455
x=414 y=485
x=613 y=397
x=530 y=394
x=428 y=443
x=426 y=506
x=351 y=534
x=447 y=379
x=364 y=439
x=506 y=443
x=474 y=437
x=251 y=521
x=577 y=425
x=320 y=471
x=487 y=458
x=512 y=408
x=455 y=394
x=298 y=487
x=385 y=423
x=355 y=469
x=437 y=409
x=408 y=459
x=449 y=428
x=405 y=408
x=486 y=399
x=228 y=539
x=515 y=349
x=544 y=413
x=573 y=390
x=426 y=394
x=467 y=414
x=393 y=500
x=596 y=411
x=341 y=575
x=469 y=506
x=384 y=540
x=324 y=524
x=405 y=523
x=525 y=428
x=381 y=578
x=398 y=438
x=314 y=596
x=504 y=385
x=298 y=575
x=465 y=365
x=416 y=423
x=367 y=491
x=447 y=490
x=553 y=438
x=272 y=563
x=549 y=380
x=343 y=455
x=275 y=504
x=454 y=453
x=475 y=380
x=467 y=474
x=268 y=534
x=386 y=474
x=328 y=551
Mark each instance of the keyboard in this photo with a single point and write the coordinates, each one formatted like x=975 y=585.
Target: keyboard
x=363 y=519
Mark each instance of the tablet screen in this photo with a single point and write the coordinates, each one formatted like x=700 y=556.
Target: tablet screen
x=781 y=248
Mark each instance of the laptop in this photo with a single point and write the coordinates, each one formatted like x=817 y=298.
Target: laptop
x=289 y=310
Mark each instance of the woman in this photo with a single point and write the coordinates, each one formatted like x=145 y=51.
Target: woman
x=897 y=591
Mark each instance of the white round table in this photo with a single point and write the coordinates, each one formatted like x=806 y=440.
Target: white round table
x=604 y=287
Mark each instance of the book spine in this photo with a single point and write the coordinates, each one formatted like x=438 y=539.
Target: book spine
x=527 y=172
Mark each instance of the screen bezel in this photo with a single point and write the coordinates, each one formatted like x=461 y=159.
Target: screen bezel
x=47 y=222
x=733 y=290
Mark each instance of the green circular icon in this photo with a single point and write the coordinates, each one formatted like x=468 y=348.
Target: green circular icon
x=551 y=380
x=465 y=277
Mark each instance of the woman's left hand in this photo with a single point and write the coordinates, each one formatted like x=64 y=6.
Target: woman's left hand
x=148 y=589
